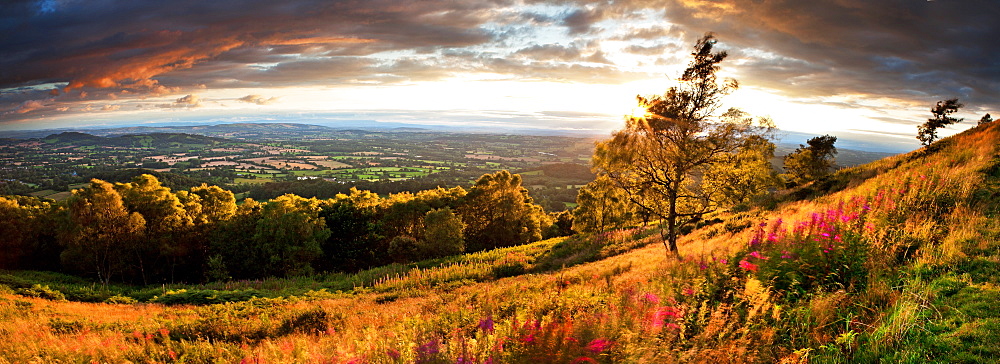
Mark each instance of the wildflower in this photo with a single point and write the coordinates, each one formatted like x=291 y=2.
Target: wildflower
x=661 y=314
x=750 y=267
x=529 y=339
x=758 y=255
x=688 y=292
x=724 y=261
x=598 y=345
x=430 y=348
x=772 y=237
x=486 y=324
x=786 y=255
x=651 y=298
x=172 y=355
x=702 y=265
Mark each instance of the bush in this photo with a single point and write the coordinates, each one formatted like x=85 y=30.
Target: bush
x=40 y=291
x=312 y=321
x=123 y=300
x=204 y=296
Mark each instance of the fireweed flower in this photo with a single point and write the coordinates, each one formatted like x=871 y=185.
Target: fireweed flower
x=750 y=267
x=758 y=255
x=661 y=314
x=598 y=345
x=651 y=298
x=430 y=348
x=486 y=324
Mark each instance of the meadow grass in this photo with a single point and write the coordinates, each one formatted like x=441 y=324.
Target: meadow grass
x=894 y=261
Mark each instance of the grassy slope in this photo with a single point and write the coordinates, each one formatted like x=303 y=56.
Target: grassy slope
x=895 y=261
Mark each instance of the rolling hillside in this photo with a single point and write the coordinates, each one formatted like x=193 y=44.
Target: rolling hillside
x=892 y=261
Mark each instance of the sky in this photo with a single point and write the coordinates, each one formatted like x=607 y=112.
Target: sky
x=864 y=69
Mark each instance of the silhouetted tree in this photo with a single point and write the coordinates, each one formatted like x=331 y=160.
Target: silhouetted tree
x=662 y=160
x=927 y=132
x=986 y=119
x=810 y=163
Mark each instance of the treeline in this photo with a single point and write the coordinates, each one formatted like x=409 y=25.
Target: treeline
x=144 y=232
x=323 y=189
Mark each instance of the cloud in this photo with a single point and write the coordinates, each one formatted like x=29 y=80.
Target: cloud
x=148 y=39
x=111 y=107
x=257 y=99
x=926 y=49
x=28 y=106
x=187 y=102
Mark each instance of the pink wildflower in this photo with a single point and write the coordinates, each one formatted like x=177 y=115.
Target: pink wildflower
x=529 y=339
x=598 y=345
x=660 y=314
x=430 y=348
x=651 y=298
x=688 y=292
x=750 y=267
x=758 y=255
x=486 y=324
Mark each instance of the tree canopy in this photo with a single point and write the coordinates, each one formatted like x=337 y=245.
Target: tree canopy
x=812 y=162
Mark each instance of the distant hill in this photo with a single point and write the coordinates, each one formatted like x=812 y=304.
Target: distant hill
x=72 y=137
x=165 y=141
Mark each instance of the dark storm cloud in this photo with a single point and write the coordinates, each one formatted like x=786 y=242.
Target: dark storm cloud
x=914 y=48
x=104 y=43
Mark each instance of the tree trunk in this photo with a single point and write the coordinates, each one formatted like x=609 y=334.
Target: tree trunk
x=672 y=220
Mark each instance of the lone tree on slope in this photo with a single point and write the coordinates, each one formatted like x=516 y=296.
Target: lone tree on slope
x=667 y=161
x=927 y=132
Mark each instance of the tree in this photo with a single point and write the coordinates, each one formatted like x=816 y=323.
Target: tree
x=443 y=235
x=810 y=163
x=662 y=160
x=25 y=232
x=498 y=212
x=744 y=176
x=102 y=236
x=927 y=132
x=602 y=206
x=289 y=235
x=986 y=119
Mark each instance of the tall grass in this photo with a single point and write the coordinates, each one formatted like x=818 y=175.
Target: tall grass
x=899 y=263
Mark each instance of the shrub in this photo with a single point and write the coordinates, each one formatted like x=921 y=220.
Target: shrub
x=41 y=291
x=204 y=296
x=118 y=299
